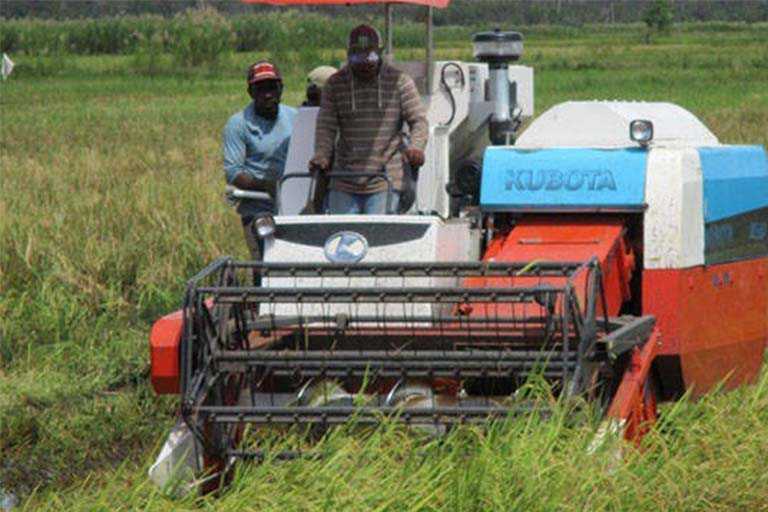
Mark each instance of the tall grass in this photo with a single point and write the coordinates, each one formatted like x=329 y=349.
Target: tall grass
x=290 y=29
x=703 y=456
x=200 y=37
x=120 y=35
x=110 y=198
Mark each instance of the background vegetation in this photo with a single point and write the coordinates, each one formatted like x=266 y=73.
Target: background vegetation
x=518 y=12
x=118 y=27
x=110 y=198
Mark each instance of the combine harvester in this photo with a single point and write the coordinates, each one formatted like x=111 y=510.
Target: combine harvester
x=616 y=249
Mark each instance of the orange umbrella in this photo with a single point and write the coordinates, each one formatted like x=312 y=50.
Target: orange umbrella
x=388 y=4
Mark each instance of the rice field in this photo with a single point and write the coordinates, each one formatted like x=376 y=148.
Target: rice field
x=111 y=196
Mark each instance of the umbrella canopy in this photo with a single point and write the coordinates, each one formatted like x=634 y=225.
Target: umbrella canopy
x=388 y=4
x=428 y=3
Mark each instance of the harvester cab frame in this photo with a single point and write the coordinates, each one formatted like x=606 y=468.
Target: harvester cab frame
x=617 y=251
x=466 y=103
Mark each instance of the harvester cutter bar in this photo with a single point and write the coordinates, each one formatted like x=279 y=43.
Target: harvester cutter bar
x=424 y=295
x=423 y=364
x=410 y=269
x=272 y=322
x=365 y=415
x=430 y=372
x=352 y=356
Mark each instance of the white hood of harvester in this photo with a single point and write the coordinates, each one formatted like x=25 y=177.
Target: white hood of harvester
x=366 y=239
x=605 y=124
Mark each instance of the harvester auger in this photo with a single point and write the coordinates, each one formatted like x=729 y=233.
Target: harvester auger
x=616 y=250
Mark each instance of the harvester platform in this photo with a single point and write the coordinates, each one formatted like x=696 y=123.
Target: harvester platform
x=428 y=345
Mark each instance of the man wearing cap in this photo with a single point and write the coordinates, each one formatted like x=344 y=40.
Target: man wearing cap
x=365 y=106
x=316 y=80
x=256 y=146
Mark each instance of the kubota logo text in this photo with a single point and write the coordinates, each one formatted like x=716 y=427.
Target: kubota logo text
x=544 y=179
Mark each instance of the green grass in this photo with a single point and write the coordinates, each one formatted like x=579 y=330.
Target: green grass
x=110 y=198
x=703 y=456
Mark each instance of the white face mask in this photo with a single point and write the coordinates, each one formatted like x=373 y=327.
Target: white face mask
x=373 y=58
x=361 y=58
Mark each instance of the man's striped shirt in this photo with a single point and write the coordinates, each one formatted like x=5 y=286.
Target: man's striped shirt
x=360 y=126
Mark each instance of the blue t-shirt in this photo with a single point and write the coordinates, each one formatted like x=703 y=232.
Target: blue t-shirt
x=259 y=147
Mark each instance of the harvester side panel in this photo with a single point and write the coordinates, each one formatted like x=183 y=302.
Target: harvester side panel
x=714 y=317
x=700 y=207
x=711 y=298
x=735 y=183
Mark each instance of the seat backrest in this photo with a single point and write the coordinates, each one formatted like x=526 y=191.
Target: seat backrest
x=295 y=192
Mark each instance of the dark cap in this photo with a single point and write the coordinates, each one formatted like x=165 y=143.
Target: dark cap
x=364 y=36
x=263 y=70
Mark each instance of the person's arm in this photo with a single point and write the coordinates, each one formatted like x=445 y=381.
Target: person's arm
x=326 y=130
x=234 y=160
x=414 y=115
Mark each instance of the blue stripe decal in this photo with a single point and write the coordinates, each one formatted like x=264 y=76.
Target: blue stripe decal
x=562 y=178
x=735 y=180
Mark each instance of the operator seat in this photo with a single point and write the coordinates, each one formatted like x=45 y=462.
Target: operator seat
x=296 y=193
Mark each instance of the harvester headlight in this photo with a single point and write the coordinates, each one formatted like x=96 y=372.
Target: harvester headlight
x=641 y=131
x=265 y=226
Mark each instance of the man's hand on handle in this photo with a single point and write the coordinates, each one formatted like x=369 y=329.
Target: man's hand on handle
x=319 y=164
x=415 y=157
x=245 y=181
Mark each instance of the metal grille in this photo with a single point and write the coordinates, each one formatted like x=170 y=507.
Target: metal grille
x=431 y=345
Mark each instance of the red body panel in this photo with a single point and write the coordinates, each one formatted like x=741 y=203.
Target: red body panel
x=714 y=317
x=164 y=353
x=568 y=239
x=634 y=404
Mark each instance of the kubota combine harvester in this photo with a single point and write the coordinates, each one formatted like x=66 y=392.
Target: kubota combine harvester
x=617 y=249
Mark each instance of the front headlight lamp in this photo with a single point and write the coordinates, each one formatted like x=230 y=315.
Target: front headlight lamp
x=641 y=131
x=265 y=226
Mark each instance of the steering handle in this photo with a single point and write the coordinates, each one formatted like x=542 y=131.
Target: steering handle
x=238 y=193
x=234 y=193
x=338 y=174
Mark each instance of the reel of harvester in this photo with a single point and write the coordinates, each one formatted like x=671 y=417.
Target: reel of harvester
x=428 y=345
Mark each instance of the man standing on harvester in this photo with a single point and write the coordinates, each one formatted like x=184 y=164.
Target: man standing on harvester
x=256 y=146
x=316 y=80
x=365 y=105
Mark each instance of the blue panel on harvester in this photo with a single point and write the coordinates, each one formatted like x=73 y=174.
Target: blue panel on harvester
x=735 y=203
x=735 y=180
x=563 y=179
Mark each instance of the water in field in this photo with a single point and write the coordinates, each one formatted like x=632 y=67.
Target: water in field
x=8 y=500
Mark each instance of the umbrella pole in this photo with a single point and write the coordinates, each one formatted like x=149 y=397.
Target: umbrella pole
x=388 y=28
x=430 y=50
